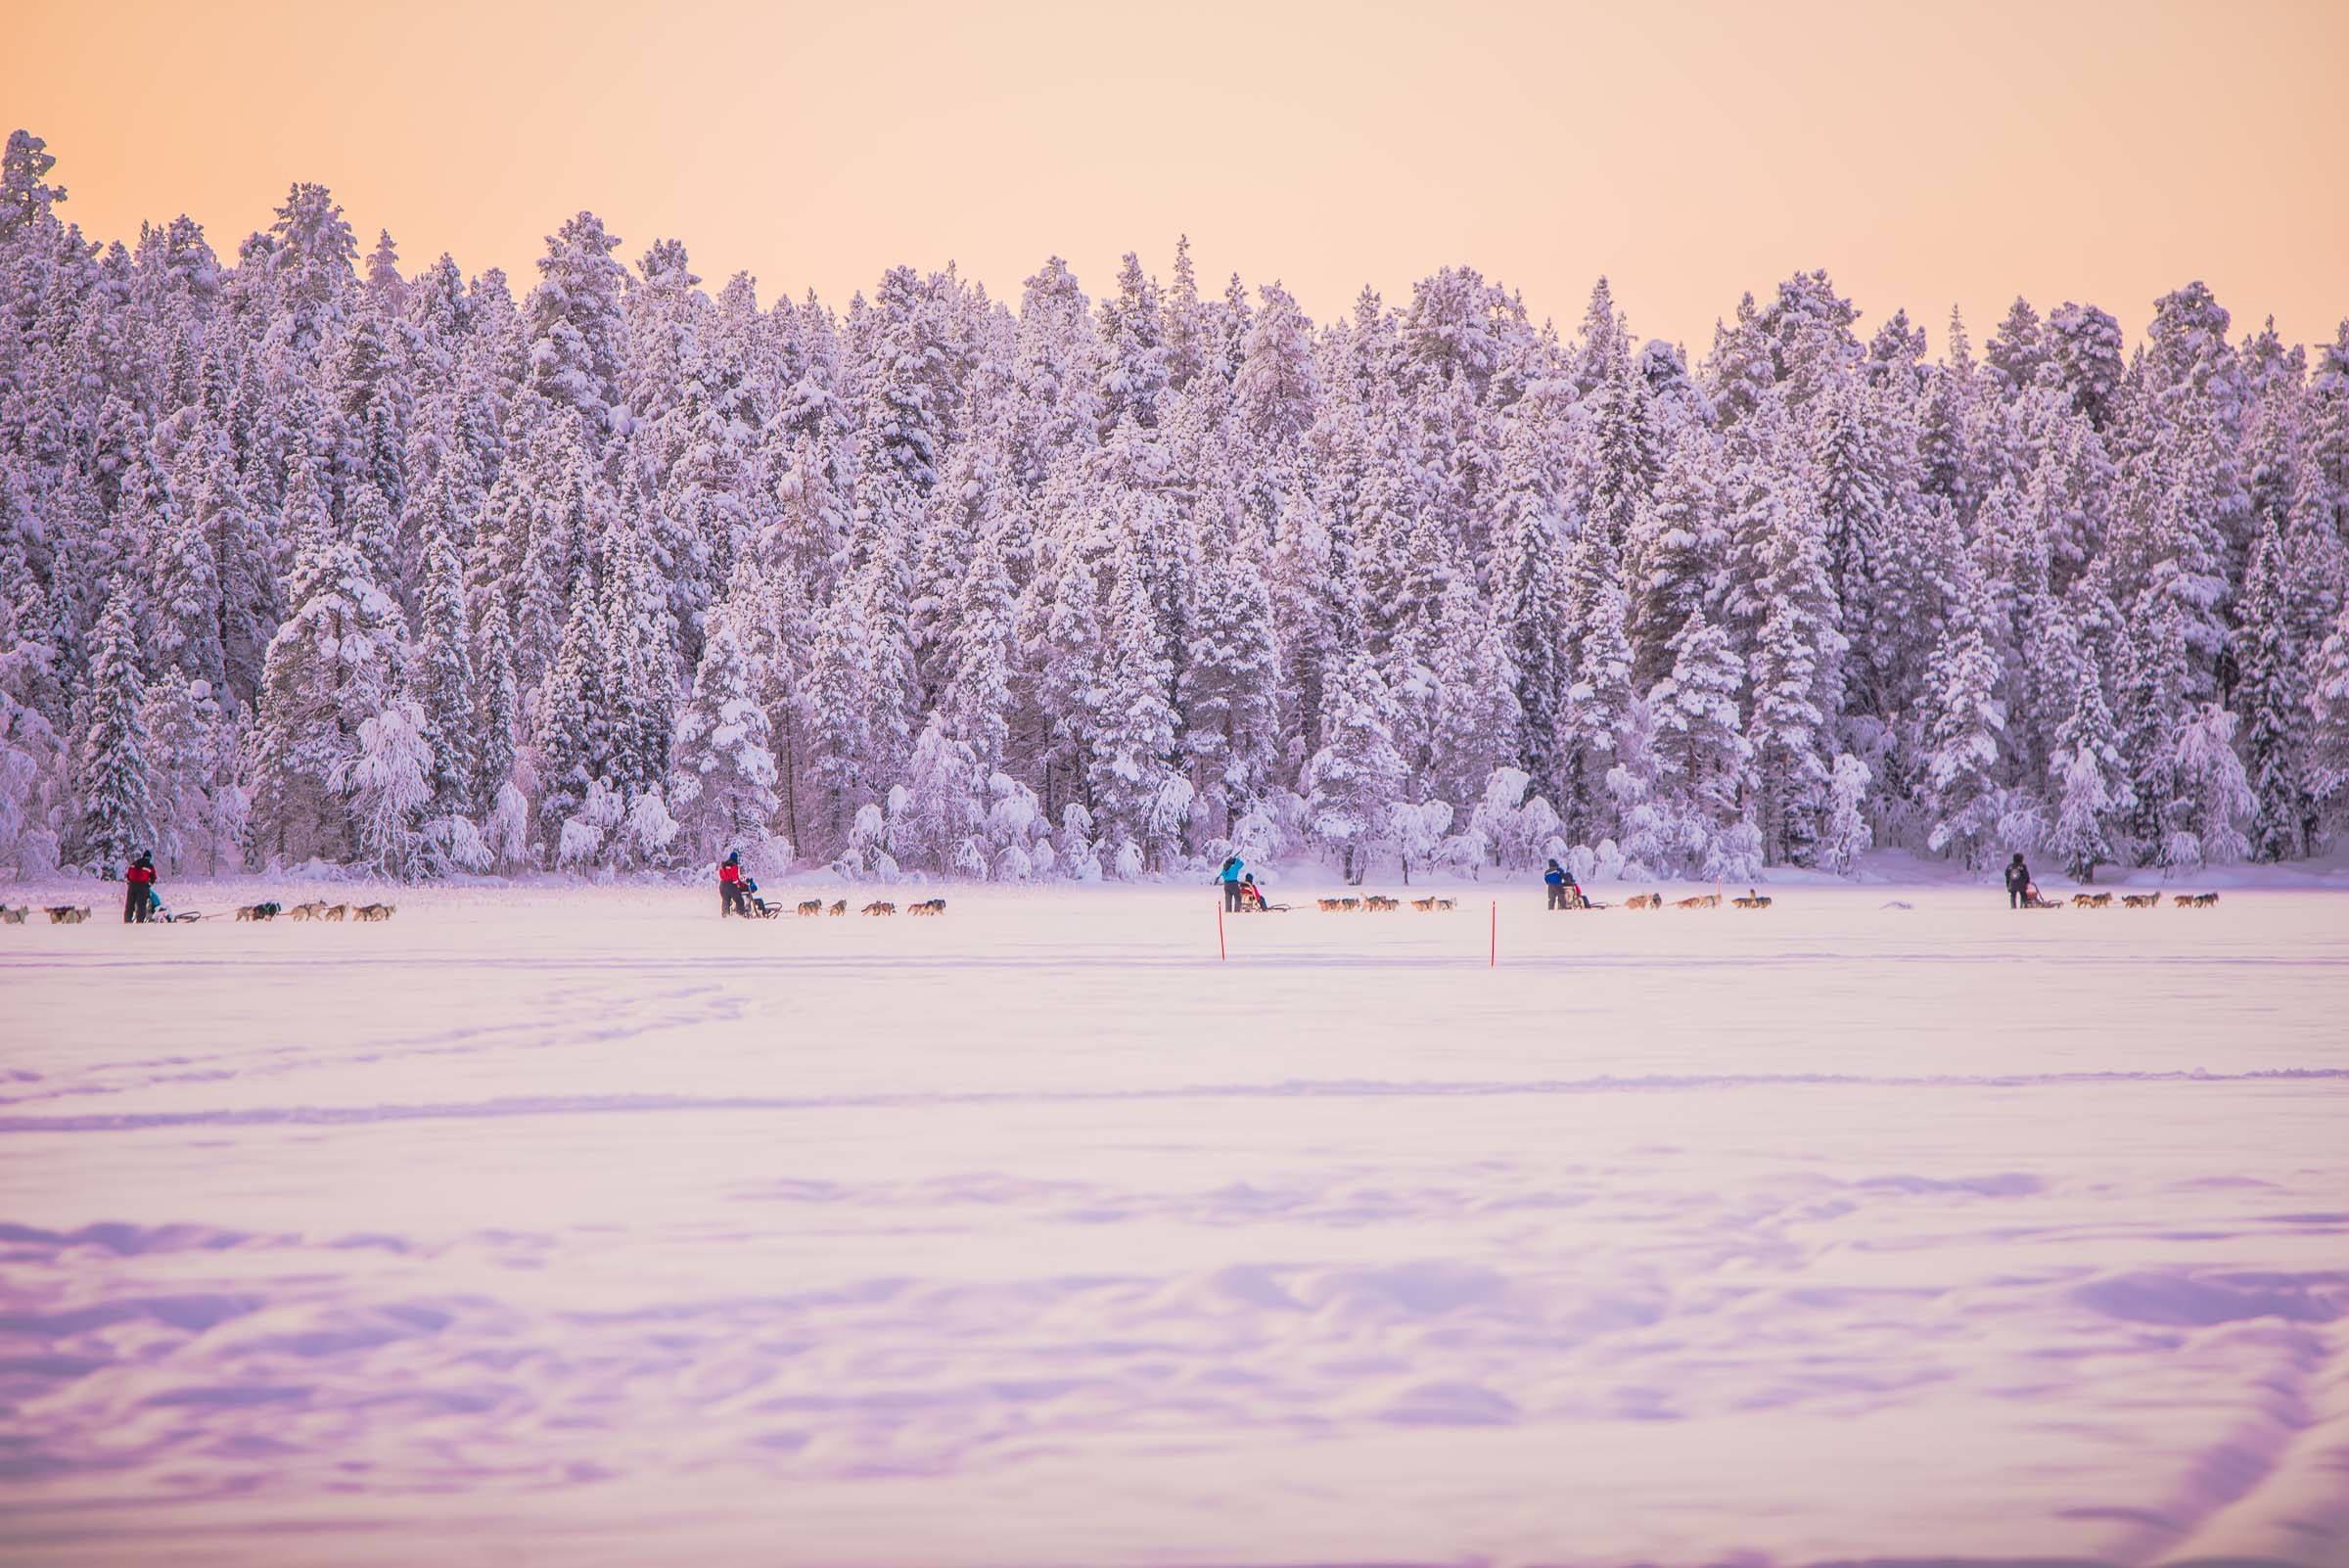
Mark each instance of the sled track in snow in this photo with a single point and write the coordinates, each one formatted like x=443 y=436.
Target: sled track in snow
x=1340 y=1089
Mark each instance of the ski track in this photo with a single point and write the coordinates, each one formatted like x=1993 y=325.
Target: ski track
x=1018 y=1237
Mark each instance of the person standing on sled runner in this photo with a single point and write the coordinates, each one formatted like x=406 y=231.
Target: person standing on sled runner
x=1564 y=891
x=138 y=889
x=732 y=898
x=1233 y=868
x=2018 y=883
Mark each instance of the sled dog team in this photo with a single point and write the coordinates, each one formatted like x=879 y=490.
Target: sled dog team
x=67 y=914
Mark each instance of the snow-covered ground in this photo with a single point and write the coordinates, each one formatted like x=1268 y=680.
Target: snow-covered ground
x=580 y=1228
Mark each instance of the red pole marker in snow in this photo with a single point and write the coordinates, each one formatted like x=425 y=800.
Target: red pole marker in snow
x=1495 y=961
x=1222 y=956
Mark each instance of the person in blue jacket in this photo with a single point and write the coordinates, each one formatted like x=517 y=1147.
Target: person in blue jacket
x=1233 y=867
x=1563 y=894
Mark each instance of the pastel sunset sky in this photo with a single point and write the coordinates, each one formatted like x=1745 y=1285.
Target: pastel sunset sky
x=1924 y=154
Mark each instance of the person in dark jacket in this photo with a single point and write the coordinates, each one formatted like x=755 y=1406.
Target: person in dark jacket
x=138 y=890
x=1556 y=881
x=2018 y=884
x=1233 y=868
x=732 y=898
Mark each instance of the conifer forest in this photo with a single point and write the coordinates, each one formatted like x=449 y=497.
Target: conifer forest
x=315 y=552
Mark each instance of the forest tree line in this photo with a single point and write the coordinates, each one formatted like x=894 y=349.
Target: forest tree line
x=308 y=555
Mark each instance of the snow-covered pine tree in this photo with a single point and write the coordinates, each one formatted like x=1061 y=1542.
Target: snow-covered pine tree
x=1797 y=686
x=938 y=815
x=386 y=779
x=1230 y=691
x=187 y=613
x=1846 y=835
x=113 y=801
x=2272 y=697
x=2214 y=800
x=577 y=336
x=1969 y=728
x=332 y=665
x=2150 y=712
x=1355 y=779
x=1701 y=748
x=441 y=682
x=1134 y=742
x=722 y=775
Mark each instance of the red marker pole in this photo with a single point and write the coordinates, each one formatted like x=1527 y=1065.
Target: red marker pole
x=1495 y=961
x=1222 y=956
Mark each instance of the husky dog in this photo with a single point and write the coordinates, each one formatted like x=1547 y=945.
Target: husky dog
x=338 y=912
x=2205 y=901
x=928 y=906
x=256 y=911
x=13 y=917
x=1380 y=903
x=1644 y=901
x=1703 y=901
x=2139 y=900
x=1447 y=903
x=880 y=907
x=309 y=911
x=1330 y=906
x=1426 y=906
x=811 y=906
x=2091 y=901
x=1751 y=900
x=65 y=914
x=839 y=906
x=373 y=911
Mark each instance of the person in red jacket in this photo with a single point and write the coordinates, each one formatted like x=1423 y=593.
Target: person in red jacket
x=138 y=890
x=730 y=898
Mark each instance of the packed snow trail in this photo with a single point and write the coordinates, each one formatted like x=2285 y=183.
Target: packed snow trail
x=584 y=1225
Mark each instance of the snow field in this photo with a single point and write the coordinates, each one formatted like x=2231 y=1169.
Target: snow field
x=584 y=1223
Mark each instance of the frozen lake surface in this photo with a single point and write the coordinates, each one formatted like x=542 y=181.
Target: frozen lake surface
x=582 y=1228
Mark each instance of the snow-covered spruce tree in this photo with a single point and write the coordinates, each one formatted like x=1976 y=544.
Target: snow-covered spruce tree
x=2150 y=712
x=1968 y=727
x=1703 y=757
x=186 y=619
x=1529 y=590
x=2328 y=707
x=1675 y=538
x=1593 y=708
x=1134 y=742
x=114 y=808
x=577 y=336
x=1846 y=835
x=331 y=667
x=2214 y=800
x=938 y=815
x=387 y=781
x=2092 y=784
x=2272 y=696
x=496 y=707
x=184 y=727
x=572 y=733
x=1230 y=690
x=1796 y=687
x=441 y=682
x=1353 y=780
x=723 y=767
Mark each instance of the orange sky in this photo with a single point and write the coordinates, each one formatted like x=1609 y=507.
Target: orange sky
x=2096 y=151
